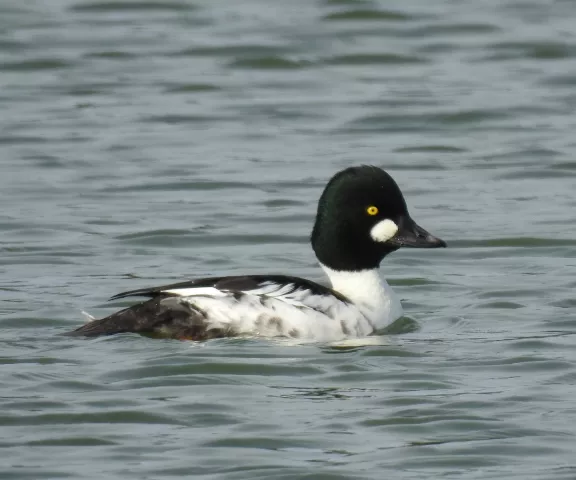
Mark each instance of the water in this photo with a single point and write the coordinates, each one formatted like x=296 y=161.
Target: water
x=143 y=142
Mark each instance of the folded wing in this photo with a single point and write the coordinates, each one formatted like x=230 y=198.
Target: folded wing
x=215 y=307
x=276 y=285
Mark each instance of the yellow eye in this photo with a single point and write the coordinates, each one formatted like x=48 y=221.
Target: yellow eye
x=372 y=210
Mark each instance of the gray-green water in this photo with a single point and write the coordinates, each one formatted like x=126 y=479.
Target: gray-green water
x=145 y=142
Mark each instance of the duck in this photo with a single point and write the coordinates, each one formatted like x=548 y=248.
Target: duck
x=361 y=218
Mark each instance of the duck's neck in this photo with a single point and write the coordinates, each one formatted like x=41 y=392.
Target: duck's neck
x=366 y=289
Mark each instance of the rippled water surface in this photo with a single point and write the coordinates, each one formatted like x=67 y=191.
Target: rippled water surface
x=143 y=142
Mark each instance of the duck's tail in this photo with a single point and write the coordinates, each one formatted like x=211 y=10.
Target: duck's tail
x=169 y=317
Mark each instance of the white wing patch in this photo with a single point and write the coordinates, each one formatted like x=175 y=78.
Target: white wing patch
x=269 y=289
x=191 y=292
x=285 y=292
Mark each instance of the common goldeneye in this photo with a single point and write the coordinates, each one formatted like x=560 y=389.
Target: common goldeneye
x=362 y=217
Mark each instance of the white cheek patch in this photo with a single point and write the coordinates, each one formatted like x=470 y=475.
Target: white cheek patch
x=383 y=231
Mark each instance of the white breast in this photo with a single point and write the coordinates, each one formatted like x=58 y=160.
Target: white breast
x=369 y=292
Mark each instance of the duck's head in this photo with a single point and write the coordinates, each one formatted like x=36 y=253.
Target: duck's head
x=362 y=217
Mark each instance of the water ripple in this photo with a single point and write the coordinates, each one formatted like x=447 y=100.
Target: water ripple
x=121 y=6
x=146 y=141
